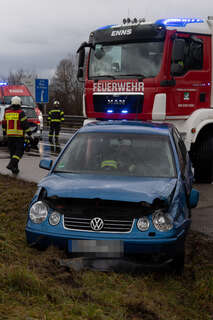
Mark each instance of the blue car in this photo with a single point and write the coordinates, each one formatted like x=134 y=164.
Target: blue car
x=120 y=189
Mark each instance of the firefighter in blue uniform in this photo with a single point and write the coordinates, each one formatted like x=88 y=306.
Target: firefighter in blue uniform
x=15 y=126
x=55 y=117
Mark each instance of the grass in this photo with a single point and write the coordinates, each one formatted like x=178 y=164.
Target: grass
x=33 y=286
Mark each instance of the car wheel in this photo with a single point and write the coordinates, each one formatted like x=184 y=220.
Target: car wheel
x=204 y=161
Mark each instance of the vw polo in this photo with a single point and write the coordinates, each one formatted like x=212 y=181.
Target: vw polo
x=119 y=188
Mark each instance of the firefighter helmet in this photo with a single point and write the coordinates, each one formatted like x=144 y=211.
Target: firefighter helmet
x=56 y=102
x=16 y=100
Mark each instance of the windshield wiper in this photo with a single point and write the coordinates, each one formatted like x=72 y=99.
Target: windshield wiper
x=109 y=76
x=132 y=75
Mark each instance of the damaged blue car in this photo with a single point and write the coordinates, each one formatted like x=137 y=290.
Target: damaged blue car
x=118 y=189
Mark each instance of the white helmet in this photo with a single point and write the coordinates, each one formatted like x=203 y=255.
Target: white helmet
x=56 y=102
x=16 y=100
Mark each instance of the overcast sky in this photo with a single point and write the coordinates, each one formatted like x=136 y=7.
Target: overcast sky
x=37 y=34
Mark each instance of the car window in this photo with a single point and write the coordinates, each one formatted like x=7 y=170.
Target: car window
x=119 y=154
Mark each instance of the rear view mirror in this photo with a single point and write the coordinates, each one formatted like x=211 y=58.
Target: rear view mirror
x=194 y=198
x=178 y=50
x=45 y=164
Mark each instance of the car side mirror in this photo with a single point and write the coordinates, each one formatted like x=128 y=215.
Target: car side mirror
x=45 y=164
x=193 y=198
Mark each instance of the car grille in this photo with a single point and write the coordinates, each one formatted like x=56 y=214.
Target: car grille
x=110 y=225
x=132 y=103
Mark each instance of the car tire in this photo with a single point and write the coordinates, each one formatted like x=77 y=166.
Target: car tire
x=203 y=167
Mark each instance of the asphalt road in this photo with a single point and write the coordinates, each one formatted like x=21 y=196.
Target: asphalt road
x=202 y=216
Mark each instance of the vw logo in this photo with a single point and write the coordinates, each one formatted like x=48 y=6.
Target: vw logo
x=96 y=224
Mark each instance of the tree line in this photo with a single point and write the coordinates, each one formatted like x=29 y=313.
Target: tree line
x=63 y=86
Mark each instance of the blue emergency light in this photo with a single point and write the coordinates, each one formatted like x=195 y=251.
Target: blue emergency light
x=178 y=22
x=124 y=111
x=109 y=111
x=3 y=83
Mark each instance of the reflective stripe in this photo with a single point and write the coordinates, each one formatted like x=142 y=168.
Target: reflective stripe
x=55 y=120
x=109 y=163
x=56 y=110
x=24 y=118
x=16 y=157
x=62 y=119
x=11 y=116
x=15 y=131
x=27 y=130
x=50 y=135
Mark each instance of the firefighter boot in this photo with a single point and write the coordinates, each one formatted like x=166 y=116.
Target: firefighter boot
x=14 y=164
x=9 y=166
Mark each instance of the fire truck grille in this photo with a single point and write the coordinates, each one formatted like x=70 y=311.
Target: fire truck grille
x=123 y=104
x=109 y=225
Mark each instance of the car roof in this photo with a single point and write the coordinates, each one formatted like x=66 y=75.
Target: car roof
x=125 y=126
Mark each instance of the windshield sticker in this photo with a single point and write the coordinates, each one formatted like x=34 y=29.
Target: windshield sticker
x=61 y=165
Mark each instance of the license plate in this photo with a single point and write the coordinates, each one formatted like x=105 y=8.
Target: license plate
x=96 y=246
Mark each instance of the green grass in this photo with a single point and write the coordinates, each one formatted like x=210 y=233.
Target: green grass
x=33 y=286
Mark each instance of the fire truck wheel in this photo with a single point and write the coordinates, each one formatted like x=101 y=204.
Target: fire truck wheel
x=204 y=162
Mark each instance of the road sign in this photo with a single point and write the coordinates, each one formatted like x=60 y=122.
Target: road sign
x=41 y=90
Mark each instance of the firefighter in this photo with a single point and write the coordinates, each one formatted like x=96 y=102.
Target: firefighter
x=14 y=126
x=55 y=117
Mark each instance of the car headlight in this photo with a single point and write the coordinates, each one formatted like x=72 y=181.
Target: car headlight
x=54 y=218
x=143 y=224
x=162 y=221
x=38 y=212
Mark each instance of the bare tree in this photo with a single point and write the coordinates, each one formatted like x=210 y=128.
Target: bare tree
x=16 y=78
x=65 y=87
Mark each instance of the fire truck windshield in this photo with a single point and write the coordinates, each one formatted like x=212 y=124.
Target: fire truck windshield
x=142 y=59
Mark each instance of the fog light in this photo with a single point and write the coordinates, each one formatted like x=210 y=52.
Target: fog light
x=54 y=218
x=143 y=224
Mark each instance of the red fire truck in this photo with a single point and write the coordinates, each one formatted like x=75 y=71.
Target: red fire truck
x=157 y=71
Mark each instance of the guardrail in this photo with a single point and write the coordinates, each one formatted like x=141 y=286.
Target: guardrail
x=70 y=122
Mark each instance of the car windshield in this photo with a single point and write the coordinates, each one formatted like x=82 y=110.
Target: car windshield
x=118 y=154
x=126 y=60
x=30 y=113
x=26 y=100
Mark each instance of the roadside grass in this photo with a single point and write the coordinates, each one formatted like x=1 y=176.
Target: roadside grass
x=33 y=286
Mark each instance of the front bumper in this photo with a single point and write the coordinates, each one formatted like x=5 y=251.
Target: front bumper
x=165 y=245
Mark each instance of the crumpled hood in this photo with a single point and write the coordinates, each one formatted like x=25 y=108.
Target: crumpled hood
x=132 y=189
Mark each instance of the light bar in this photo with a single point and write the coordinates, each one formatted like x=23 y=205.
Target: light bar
x=124 y=111
x=178 y=22
x=3 y=83
x=109 y=111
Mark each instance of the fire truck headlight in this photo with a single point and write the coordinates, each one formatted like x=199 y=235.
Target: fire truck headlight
x=38 y=212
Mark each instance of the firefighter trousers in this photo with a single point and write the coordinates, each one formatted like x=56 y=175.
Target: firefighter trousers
x=54 y=131
x=16 y=150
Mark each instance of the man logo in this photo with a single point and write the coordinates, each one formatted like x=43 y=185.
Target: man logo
x=116 y=102
x=125 y=32
x=96 y=224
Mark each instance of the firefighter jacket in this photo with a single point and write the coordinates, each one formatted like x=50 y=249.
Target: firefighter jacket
x=15 y=122
x=55 y=116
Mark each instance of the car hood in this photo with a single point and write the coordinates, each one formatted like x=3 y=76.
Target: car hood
x=132 y=189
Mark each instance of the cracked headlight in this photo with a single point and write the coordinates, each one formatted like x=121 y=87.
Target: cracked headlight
x=38 y=212
x=143 y=224
x=54 y=218
x=162 y=221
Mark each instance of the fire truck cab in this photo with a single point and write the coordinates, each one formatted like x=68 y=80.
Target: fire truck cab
x=155 y=71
